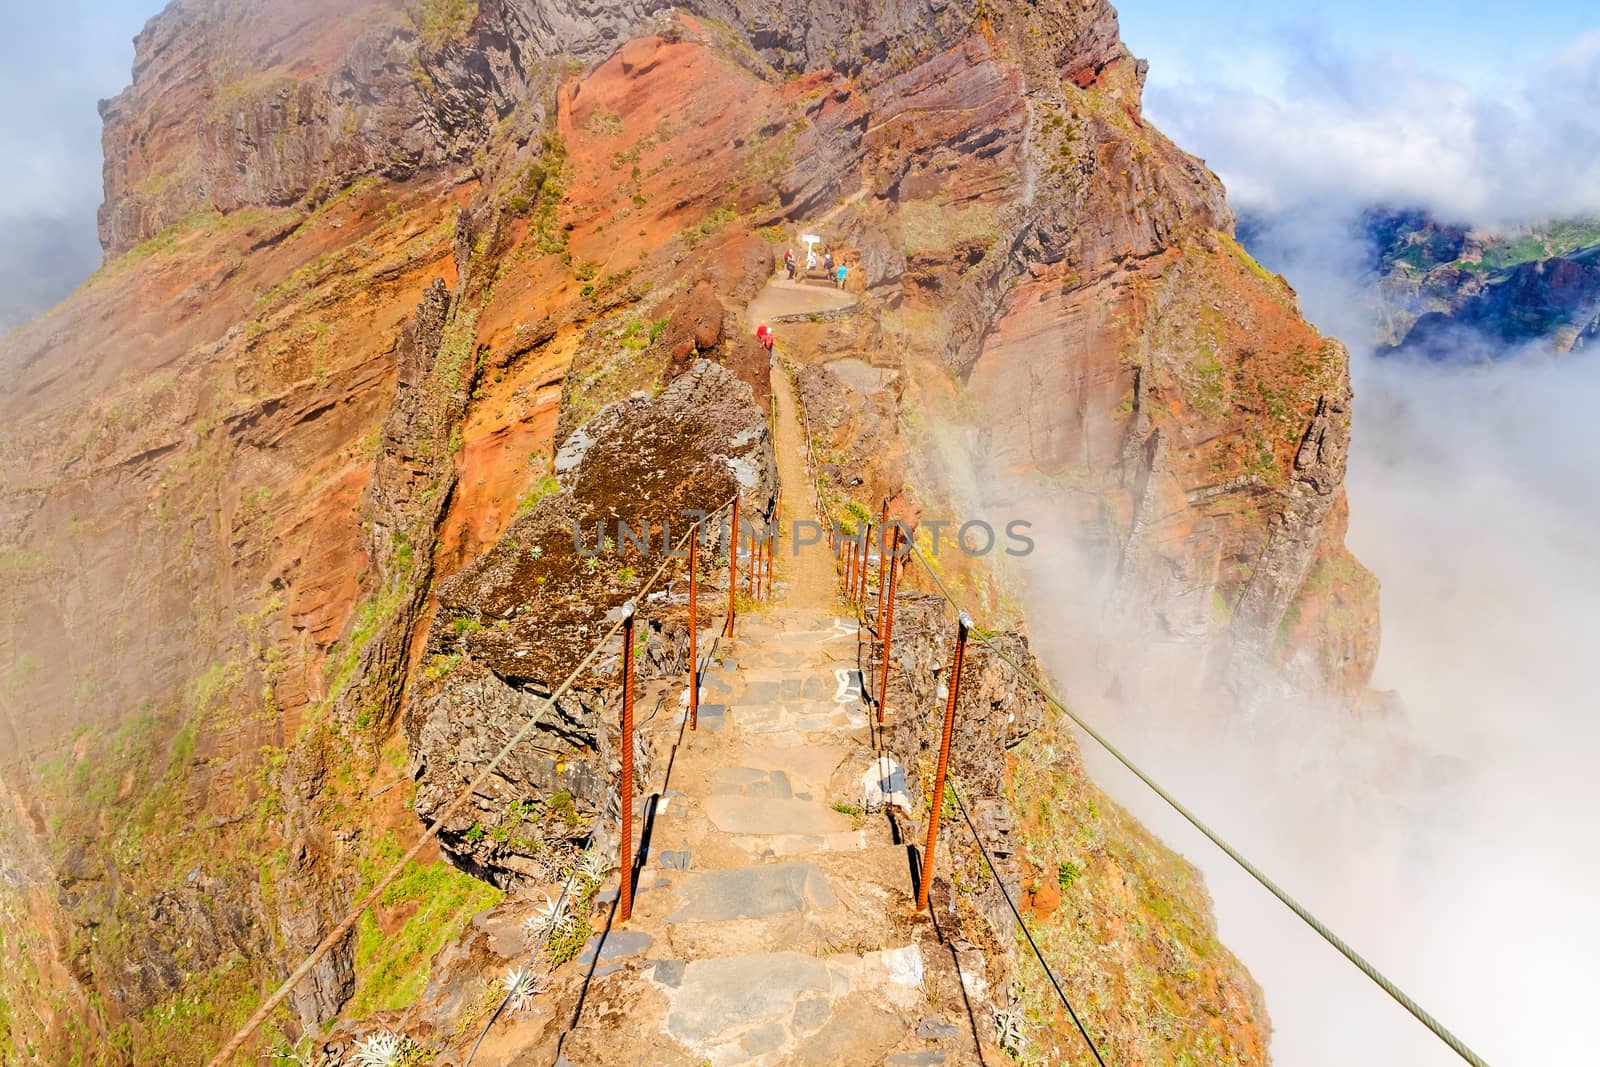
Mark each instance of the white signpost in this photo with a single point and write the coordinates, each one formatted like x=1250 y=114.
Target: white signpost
x=811 y=241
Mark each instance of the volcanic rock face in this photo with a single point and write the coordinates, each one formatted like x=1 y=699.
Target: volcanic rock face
x=396 y=292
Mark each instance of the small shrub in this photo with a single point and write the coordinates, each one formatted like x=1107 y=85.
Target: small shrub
x=545 y=486
x=1067 y=873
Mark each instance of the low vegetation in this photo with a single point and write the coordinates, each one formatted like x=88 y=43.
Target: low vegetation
x=439 y=22
x=424 y=910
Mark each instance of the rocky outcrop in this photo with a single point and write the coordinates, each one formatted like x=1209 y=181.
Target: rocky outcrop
x=1203 y=428
x=264 y=104
x=1555 y=301
x=514 y=624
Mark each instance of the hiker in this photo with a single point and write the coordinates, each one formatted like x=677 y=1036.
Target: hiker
x=839 y=276
x=827 y=266
x=764 y=335
x=788 y=262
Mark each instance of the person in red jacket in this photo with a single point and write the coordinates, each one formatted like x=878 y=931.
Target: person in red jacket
x=764 y=335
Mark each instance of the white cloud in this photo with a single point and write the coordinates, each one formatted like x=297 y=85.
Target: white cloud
x=1441 y=843
x=1335 y=129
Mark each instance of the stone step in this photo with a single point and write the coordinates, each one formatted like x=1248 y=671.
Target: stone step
x=787 y=1007
x=773 y=686
x=784 y=846
x=757 y=815
x=757 y=892
x=797 y=718
x=826 y=902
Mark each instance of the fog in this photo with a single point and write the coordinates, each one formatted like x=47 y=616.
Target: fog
x=1451 y=840
x=56 y=61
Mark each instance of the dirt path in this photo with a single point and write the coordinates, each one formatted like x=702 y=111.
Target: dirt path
x=806 y=571
x=782 y=298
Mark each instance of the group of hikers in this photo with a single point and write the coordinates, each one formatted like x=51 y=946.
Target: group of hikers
x=834 y=271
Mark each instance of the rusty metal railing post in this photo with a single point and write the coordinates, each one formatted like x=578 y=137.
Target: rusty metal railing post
x=733 y=562
x=750 y=571
x=861 y=571
x=694 y=625
x=852 y=559
x=864 y=558
x=772 y=543
x=964 y=625
x=625 y=819
x=883 y=565
x=888 y=618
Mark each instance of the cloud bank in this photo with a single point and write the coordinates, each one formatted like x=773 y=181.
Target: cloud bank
x=1451 y=844
x=1333 y=130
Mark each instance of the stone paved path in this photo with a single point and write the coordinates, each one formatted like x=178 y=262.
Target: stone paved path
x=783 y=298
x=770 y=926
x=773 y=921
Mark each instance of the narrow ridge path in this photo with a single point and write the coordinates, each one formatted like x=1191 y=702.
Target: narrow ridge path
x=773 y=920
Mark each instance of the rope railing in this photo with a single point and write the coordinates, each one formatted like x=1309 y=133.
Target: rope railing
x=1454 y=1043
x=1022 y=923
x=345 y=925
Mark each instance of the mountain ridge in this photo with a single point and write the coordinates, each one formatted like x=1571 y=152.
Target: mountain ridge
x=338 y=341
x=1457 y=293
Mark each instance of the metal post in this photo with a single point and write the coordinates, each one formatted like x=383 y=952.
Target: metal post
x=760 y=587
x=849 y=567
x=888 y=618
x=962 y=627
x=733 y=562
x=883 y=565
x=694 y=626
x=772 y=543
x=861 y=571
x=862 y=555
x=625 y=892
x=750 y=571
